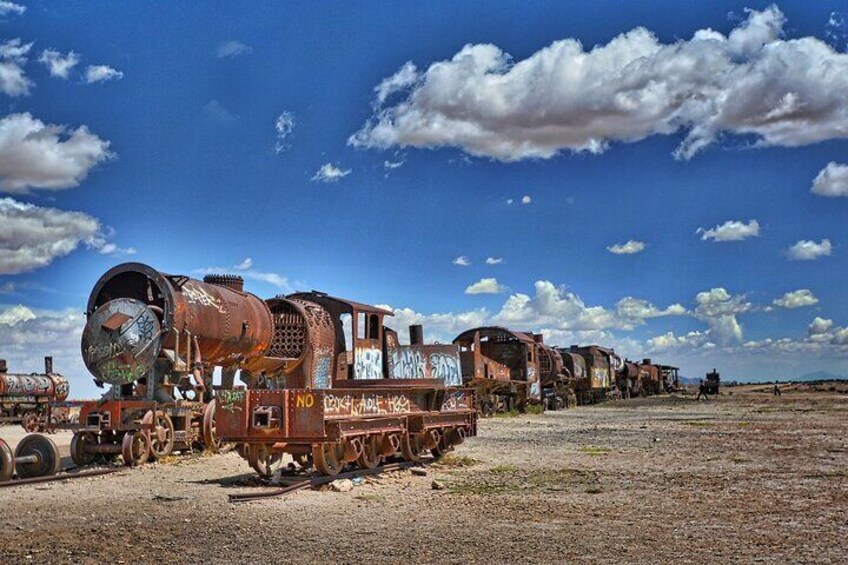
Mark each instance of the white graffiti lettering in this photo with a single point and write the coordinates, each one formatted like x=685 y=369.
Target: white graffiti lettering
x=198 y=295
x=445 y=367
x=407 y=363
x=368 y=364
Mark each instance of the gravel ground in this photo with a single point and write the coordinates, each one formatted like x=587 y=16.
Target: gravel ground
x=745 y=477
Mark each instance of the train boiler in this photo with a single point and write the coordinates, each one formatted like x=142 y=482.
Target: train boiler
x=155 y=339
x=346 y=391
x=25 y=398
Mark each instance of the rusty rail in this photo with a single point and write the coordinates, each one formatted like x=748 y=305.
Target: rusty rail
x=61 y=477
x=311 y=482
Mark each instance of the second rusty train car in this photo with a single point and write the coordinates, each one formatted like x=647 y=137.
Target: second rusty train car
x=25 y=398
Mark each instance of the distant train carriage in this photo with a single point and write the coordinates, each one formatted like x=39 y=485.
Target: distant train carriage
x=599 y=368
x=651 y=377
x=630 y=382
x=553 y=377
x=25 y=398
x=502 y=365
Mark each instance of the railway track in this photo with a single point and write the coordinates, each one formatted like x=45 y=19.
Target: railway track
x=300 y=483
x=66 y=474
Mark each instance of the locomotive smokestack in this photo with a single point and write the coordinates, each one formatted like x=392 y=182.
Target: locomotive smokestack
x=416 y=334
x=646 y=361
x=539 y=338
x=3 y=368
x=48 y=365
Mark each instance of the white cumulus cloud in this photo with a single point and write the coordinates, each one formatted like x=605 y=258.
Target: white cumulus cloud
x=494 y=260
x=462 y=261
x=754 y=81
x=7 y=8
x=38 y=155
x=233 y=48
x=284 y=125
x=441 y=327
x=807 y=250
x=632 y=246
x=526 y=199
x=718 y=308
x=731 y=230
x=13 y=79
x=485 y=286
x=796 y=299
x=330 y=173
x=31 y=236
x=101 y=73
x=58 y=64
x=832 y=180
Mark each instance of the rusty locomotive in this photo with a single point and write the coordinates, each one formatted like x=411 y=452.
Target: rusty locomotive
x=342 y=389
x=312 y=392
x=156 y=339
x=26 y=399
x=512 y=369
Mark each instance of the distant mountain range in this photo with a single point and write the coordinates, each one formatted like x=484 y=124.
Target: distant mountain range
x=814 y=376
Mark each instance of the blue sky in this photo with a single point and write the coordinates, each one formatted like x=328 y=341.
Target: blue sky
x=156 y=140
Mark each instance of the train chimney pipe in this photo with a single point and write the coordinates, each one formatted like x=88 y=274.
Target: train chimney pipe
x=646 y=361
x=48 y=365
x=3 y=368
x=416 y=334
x=539 y=338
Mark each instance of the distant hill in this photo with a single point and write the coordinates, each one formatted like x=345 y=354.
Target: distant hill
x=819 y=376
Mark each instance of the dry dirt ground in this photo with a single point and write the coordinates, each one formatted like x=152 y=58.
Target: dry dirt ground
x=745 y=477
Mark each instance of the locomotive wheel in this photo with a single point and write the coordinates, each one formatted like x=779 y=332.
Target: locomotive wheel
x=79 y=445
x=210 y=435
x=162 y=435
x=411 y=448
x=7 y=462
x=135 y=448
x=48 y=461
x=371 y=456
x=303 y=459
x=30 y=422
x=443 y=446
x=264 y=461
x=328 y=458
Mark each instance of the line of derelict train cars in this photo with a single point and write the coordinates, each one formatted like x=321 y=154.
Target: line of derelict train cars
x=326 y=381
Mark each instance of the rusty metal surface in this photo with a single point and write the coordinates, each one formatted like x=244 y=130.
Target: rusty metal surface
x=215 y=324
x=25 y=398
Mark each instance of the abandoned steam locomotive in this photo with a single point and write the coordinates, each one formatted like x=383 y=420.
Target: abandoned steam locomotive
x=156 y=339
x=26 y=399
x=511 y=369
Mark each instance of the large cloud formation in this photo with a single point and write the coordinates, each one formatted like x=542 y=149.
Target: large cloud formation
x=51 y=157
x=31 y=236
x=785 y=92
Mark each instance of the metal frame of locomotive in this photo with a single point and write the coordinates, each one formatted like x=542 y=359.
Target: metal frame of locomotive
x=329 y=403
x=595 y=372
x=26 y=399
x=156 y=339
x=510 y=369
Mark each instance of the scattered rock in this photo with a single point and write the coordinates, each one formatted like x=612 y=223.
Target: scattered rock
x=438 y=485
x=419 y=472
x=342 y=485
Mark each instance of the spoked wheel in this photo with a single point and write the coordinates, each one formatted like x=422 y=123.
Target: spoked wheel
x=7 y=462
x=442 y=445
x=162 y=435
x=411 y=447
x=46 y=460
x=303 y=459
x=370 y=456
x=328 y=458
x=211 y=441
x=135 y=448
x=264 y=461
x=80 y=453
x=30 y=422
